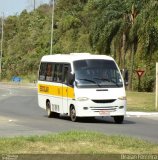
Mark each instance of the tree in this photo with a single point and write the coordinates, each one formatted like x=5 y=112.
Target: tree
x=126 y=30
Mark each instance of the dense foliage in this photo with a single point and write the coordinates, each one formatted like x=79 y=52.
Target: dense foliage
x=126 y=30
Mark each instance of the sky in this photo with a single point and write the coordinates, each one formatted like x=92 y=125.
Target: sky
x=15 y=7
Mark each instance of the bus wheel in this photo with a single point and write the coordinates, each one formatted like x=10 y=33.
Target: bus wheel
x=73 y=114
x=56 y=115
x=118 y=119
x=49 y=112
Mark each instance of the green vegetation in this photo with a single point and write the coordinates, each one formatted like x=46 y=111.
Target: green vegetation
x=126 y=30
x=76 y=142
x=140 y=101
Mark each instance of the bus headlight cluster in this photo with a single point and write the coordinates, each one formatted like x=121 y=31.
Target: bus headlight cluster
x=82 y=99
x=122 y=98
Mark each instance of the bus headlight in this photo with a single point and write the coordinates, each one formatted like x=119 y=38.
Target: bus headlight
x=122 y=98
x=82 y=99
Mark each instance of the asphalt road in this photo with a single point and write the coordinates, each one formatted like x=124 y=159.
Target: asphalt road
x=20 y=115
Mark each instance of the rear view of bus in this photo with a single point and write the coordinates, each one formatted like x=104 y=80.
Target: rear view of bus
x=89 y=86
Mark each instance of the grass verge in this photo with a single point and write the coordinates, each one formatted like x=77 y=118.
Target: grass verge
x=140 y=101
x=76 y=142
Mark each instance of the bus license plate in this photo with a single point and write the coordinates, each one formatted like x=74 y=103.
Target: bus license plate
x=104 y=113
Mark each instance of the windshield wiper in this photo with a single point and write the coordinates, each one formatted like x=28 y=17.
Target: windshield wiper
x=105 y=79
x=108 y=80
x=89 y=80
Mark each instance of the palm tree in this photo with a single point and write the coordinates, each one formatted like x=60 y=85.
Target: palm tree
x=143 y=33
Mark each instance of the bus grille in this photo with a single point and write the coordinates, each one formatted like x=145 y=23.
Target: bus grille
x=104 y=100
x=110 y=108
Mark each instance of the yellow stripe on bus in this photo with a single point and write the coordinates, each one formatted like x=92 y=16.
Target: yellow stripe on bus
x=56 y=90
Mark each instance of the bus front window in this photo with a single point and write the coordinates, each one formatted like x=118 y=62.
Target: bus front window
x=97 y=74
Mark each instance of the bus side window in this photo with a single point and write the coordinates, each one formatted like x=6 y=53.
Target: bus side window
x=58 y=73
x=42 y=71
x=68 y=78
x=49 y=72
x=55 y=72
x=53 y=66
x=59 y=77
x=65 y=74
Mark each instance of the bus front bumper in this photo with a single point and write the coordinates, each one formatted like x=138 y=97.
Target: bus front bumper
x=91 y=109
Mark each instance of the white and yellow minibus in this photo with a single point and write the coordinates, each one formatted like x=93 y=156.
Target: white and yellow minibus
x=81 y=85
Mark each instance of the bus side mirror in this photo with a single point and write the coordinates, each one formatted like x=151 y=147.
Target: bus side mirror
x=71 y=79
x=126 y=76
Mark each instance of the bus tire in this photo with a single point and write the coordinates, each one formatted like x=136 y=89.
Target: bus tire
x=73 y=114
x=118 y=119
x=55 y=115
x=48 y=108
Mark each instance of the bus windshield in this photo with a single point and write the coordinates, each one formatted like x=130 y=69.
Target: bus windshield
x=97 y=73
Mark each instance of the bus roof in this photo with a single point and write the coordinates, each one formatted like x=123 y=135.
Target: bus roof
x=73 y=57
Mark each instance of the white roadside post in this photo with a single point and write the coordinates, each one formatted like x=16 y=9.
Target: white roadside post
x=156 y=99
